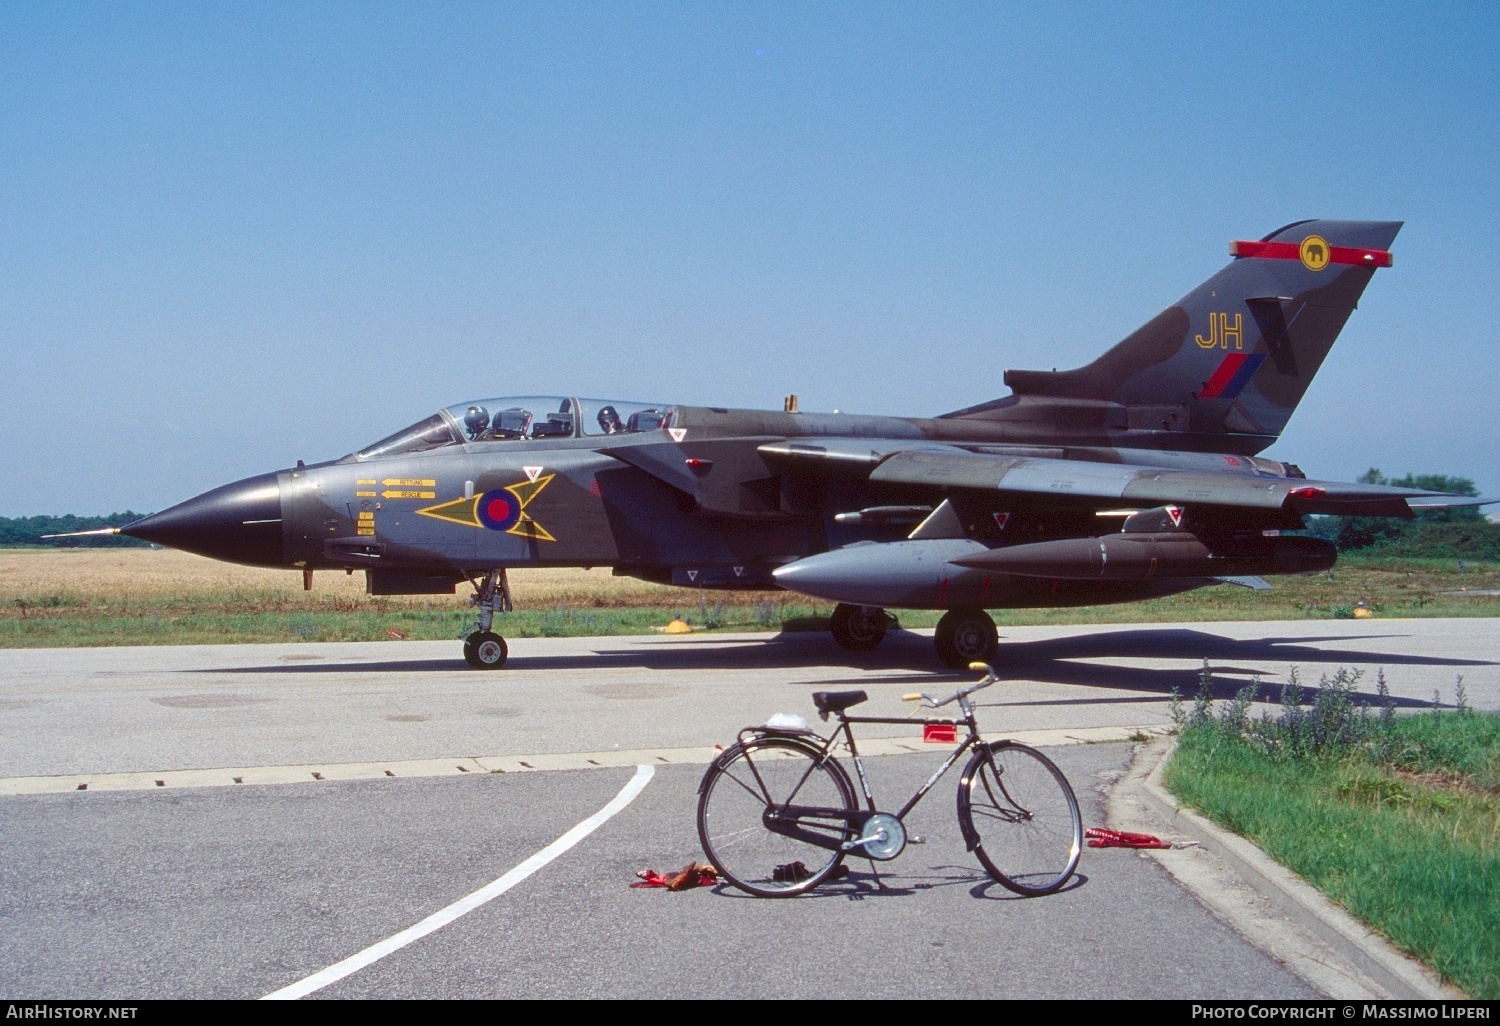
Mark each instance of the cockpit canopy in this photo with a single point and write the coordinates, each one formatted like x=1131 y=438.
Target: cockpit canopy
x=521 y=417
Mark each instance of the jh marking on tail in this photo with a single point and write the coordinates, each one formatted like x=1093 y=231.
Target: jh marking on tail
x=1220 y=332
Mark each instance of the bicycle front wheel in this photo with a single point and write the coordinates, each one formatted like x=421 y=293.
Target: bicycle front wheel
x=747 y=791
x=1019 y=816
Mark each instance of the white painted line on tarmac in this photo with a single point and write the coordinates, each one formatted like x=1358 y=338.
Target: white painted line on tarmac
x=375 y=952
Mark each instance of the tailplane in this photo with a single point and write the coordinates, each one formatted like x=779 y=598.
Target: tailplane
x=1234 y=356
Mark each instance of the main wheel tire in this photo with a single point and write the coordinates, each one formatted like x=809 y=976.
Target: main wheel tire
x=485 y=651
x=858 y=628
x=1020 y=817
x=966 y=635
x=739 y=791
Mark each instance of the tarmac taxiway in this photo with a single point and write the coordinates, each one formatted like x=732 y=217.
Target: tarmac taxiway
x=397 y=781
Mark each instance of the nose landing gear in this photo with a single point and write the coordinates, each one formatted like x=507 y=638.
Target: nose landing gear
x=484 y=649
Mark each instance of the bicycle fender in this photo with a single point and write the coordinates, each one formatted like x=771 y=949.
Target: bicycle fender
x=787 y=732
x=971 y=837
x=752 y=734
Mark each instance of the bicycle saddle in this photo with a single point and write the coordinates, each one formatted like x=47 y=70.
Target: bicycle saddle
x=837 y=701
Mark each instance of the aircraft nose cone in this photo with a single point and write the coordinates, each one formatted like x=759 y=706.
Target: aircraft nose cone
x=238 y=522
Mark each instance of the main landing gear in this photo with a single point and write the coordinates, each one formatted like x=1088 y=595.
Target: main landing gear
x=484 y=649
x=859 y=628
x=966 y=635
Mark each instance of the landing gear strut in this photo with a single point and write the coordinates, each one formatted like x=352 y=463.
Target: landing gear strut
x=859 y=628
x=966 y=635
x=484 y=649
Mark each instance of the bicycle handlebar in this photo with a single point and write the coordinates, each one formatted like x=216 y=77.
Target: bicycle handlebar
x=990 y=677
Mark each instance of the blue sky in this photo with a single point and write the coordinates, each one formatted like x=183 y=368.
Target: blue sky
x=240 y=235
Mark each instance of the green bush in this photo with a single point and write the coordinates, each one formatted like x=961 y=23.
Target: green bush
x=1337 y=725
x=1456 y=532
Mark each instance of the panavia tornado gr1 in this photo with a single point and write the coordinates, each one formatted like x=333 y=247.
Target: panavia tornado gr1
x=1133 y=477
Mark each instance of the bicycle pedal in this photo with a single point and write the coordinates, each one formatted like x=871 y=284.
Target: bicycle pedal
x=916 y=839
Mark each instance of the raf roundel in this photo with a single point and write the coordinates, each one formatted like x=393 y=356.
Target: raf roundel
x=498 y=510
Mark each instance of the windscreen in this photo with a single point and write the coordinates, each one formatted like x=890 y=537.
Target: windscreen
x=432 y=433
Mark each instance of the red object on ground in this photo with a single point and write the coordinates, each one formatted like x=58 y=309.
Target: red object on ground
x=1102 y=838
x=940 y=733
x=694 y=874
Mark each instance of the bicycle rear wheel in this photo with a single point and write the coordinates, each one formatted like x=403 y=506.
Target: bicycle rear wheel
x=1019 y=816
x=739 y=797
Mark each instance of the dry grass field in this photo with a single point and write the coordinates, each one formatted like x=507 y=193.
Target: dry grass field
x=85 y=576
x=51 y=597
x=54 y=597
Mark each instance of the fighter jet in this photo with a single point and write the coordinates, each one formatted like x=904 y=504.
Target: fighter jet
x=1133 y=477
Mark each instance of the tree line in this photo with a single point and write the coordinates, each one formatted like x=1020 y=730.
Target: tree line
x=1459 y=533
x=28 y=531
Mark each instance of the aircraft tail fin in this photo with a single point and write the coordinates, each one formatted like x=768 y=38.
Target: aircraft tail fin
x=1234 y=356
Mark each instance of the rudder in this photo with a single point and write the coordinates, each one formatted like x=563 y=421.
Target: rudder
x=1235 y=355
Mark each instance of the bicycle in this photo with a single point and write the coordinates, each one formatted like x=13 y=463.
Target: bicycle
x=778 y=814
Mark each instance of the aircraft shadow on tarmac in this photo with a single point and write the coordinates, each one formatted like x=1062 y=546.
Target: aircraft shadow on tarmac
x=1055 y=661
x=1049 y=660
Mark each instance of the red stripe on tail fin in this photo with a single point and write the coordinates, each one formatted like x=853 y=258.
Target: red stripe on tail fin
x=1223 y=376
x=1292 y=251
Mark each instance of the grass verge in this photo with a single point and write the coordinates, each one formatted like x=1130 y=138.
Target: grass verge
x=180 y=624
x=149 y=597
x=1395 y=818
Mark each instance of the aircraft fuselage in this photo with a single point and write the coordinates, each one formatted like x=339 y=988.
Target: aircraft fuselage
x=1133 y=476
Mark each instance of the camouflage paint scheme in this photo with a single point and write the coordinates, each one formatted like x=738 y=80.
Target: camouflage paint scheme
x=993 y=506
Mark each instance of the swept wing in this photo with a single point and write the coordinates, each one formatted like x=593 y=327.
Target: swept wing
x=1238 y=482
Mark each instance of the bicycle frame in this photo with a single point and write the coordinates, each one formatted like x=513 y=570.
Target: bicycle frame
x=787 y=820
x=969 y=741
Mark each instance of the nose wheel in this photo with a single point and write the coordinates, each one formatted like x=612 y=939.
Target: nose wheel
x=485 y=650
x=966 y=635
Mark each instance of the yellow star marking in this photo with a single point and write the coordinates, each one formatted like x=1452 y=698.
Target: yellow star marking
x=528 y=528
x=528 y=490
x=459 y=511
x=466 y=511
x=524 y=493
